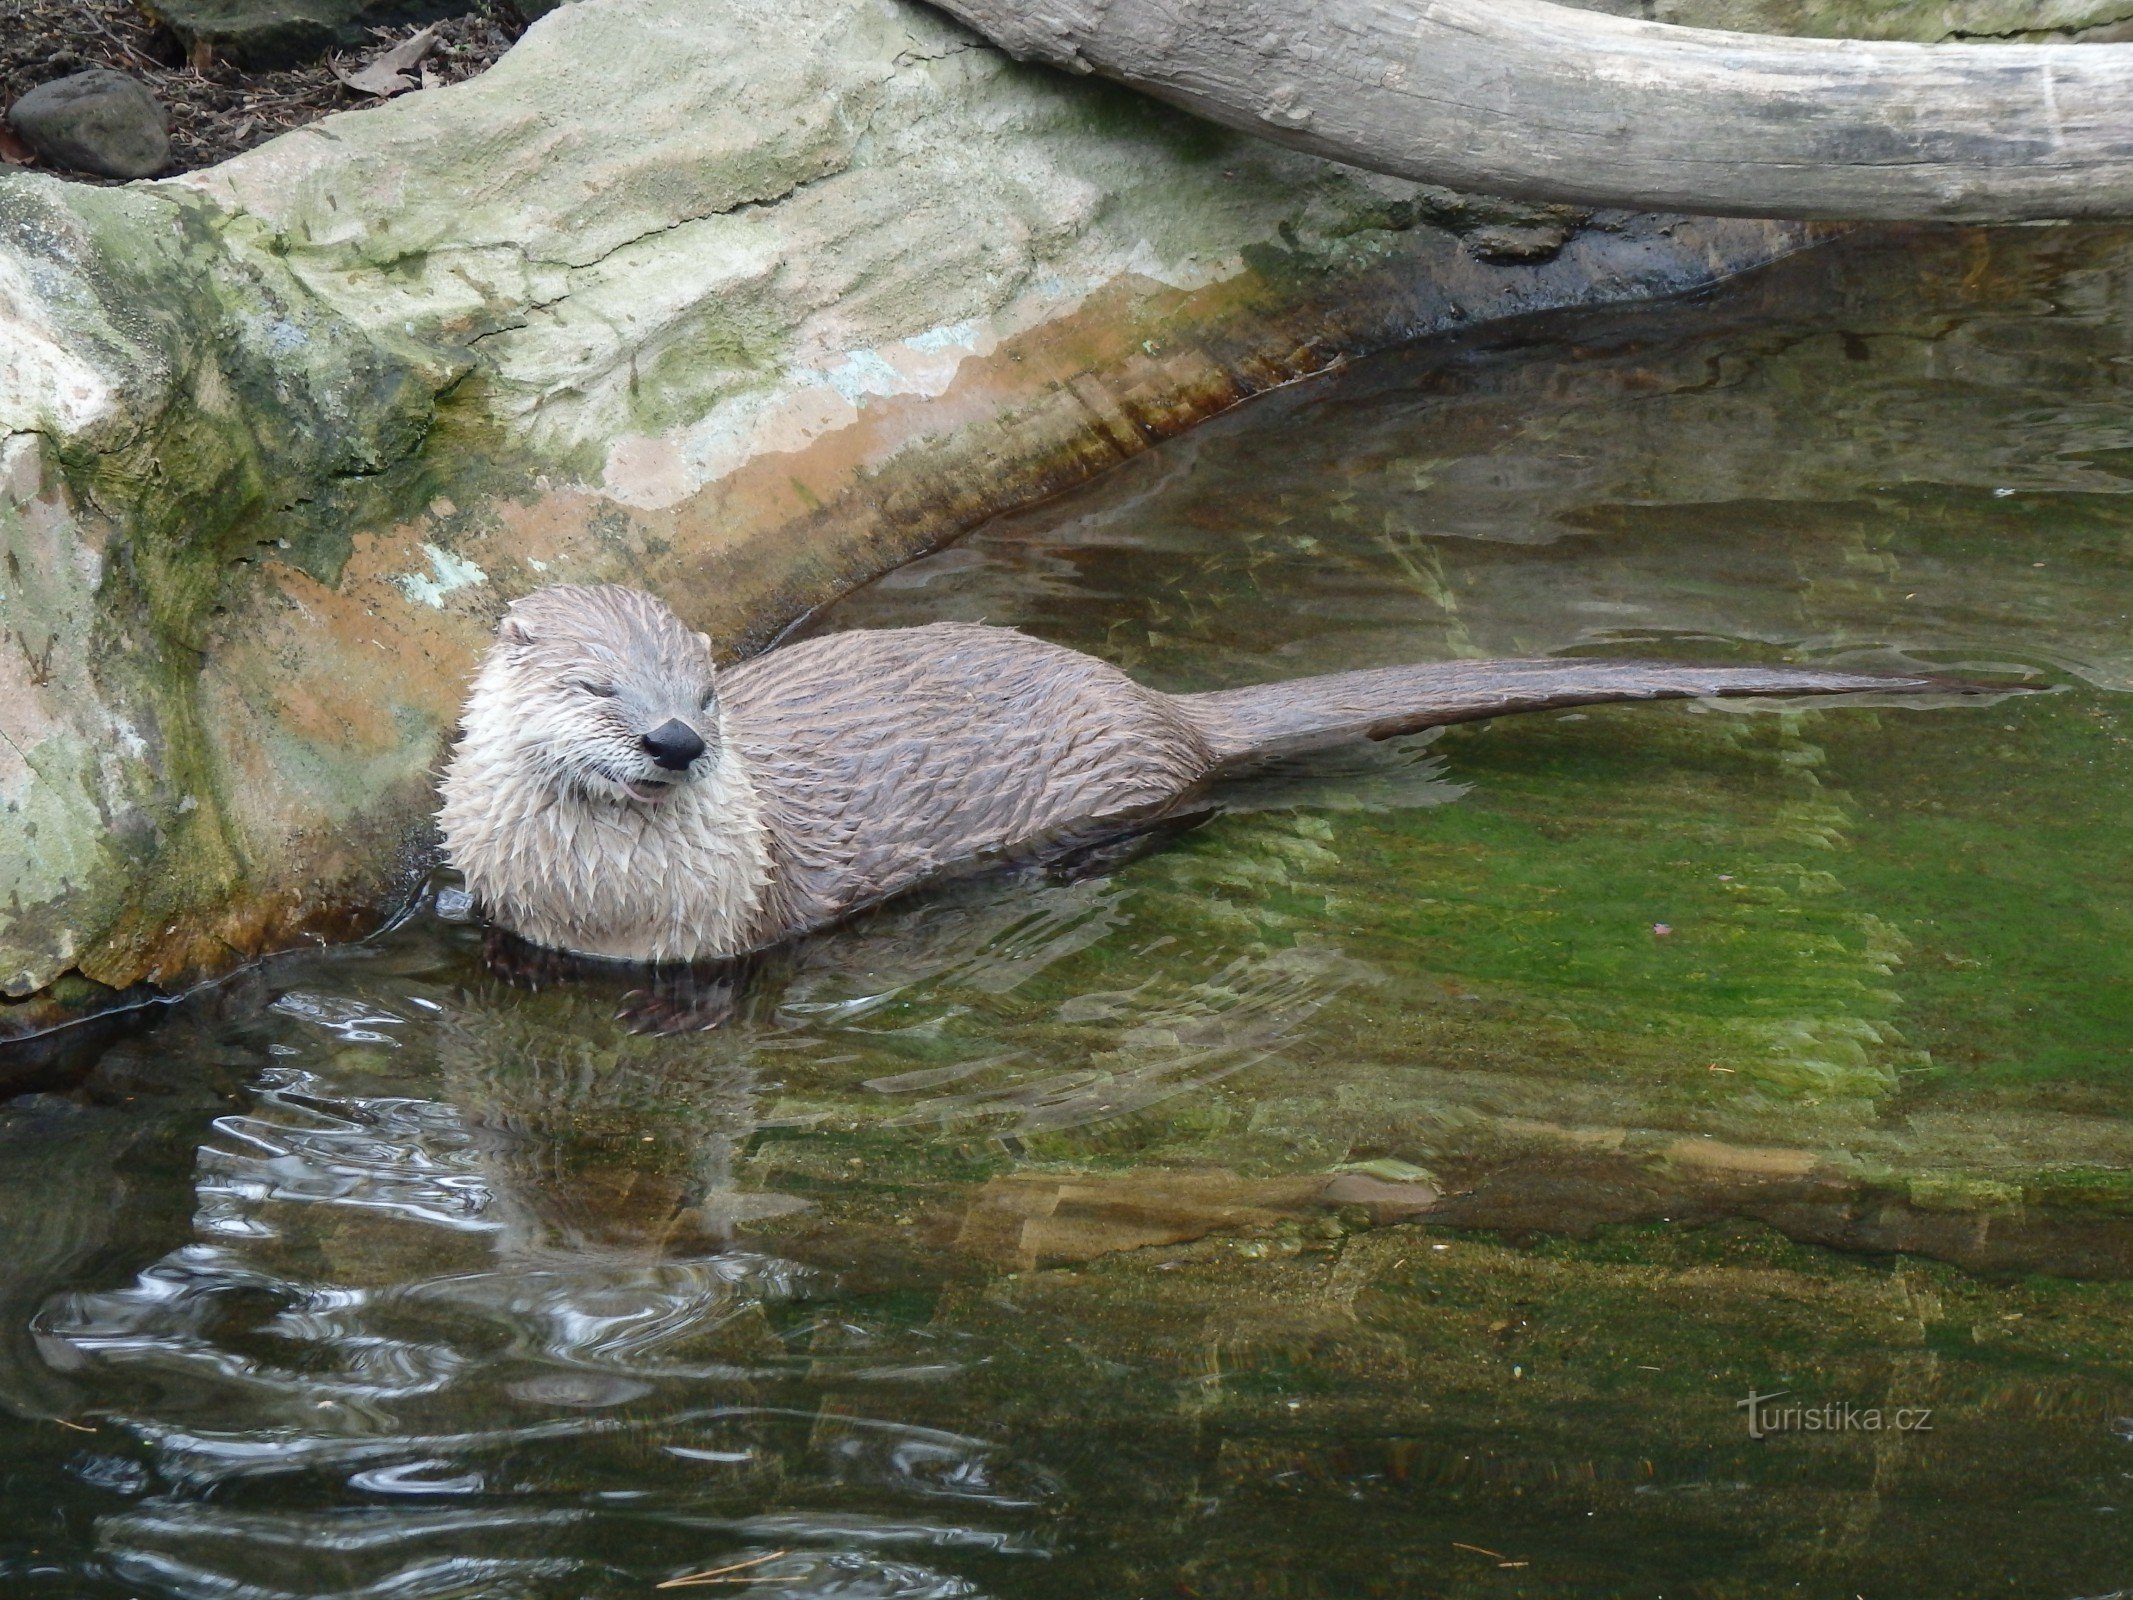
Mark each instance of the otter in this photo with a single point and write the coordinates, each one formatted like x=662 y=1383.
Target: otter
x=612 y=796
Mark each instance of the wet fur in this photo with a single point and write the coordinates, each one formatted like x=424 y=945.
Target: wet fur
x=847 y=769
x=537 y=808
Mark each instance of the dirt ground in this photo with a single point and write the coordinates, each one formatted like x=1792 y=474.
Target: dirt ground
x=216 y=110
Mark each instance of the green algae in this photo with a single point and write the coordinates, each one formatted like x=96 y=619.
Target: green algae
x=242 y=390
x=1888 y=936
x=236 y=394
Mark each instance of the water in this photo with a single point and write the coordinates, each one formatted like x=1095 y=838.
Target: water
x=1391 y=1188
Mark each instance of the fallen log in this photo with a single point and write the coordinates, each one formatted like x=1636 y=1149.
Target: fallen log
x=1542 y=102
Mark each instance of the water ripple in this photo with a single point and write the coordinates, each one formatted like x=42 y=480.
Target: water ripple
x=409 y=1157
x=204 y=1313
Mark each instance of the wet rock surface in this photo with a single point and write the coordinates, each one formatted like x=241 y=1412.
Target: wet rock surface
x=97 y=121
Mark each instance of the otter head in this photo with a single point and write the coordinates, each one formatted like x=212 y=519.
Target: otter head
x=592 y=802
x=600 y=693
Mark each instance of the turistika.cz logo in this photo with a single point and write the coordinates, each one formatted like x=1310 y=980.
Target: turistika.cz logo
x=1766 y=1416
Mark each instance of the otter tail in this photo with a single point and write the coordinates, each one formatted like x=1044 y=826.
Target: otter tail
x=1272 y=719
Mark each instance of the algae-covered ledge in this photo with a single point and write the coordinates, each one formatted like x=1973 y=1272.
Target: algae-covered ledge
x=740 y=302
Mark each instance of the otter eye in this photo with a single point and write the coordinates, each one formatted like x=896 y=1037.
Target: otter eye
x=603 y=691
x=710 y=699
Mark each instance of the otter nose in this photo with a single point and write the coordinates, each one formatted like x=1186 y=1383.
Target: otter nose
x=673 y=745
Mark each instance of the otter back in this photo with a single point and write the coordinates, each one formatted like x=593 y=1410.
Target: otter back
x=887 y=758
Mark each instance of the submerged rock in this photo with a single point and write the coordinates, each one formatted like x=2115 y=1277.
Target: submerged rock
x=1031 y=1219
x=97 y=121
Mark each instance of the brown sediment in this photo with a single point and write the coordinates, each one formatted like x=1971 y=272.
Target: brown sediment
x=1040 y=1219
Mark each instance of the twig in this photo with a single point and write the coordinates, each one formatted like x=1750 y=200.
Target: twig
x=713 y=1575
x=132 y=54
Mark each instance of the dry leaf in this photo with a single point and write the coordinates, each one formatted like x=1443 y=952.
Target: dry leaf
x=12 y=150
x=388 y=73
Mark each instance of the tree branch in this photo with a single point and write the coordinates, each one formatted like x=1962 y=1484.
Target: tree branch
x=1542 y=102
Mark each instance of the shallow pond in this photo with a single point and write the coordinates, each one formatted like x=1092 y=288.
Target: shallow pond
x=1393 y=1187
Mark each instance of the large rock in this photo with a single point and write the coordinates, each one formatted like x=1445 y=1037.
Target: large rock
x=742 y=301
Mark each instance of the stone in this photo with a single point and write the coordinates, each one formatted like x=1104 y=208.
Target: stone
x=97 y=121
x=265 y=34
x=1027 y=1220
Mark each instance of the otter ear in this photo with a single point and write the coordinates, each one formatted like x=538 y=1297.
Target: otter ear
x=513 y=630
x=704 y=639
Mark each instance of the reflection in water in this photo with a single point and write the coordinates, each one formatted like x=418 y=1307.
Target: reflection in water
x=527 y=1277
x=1057 y=1237
x=530 y=1272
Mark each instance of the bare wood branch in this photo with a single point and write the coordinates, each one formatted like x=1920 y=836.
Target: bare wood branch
x=1542 y=102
